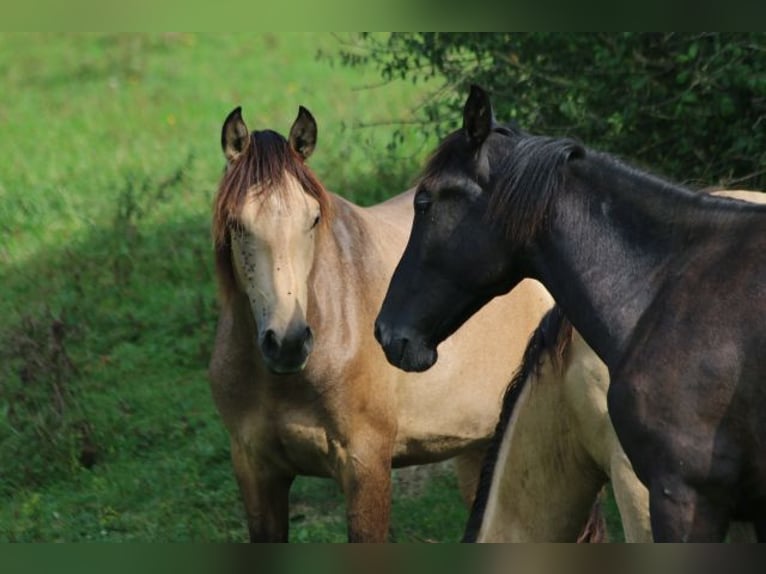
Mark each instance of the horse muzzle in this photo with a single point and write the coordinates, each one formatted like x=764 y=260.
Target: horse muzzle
x=404 y=349
x=289 y=353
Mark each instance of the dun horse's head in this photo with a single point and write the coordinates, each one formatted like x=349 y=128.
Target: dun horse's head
x=268 y=211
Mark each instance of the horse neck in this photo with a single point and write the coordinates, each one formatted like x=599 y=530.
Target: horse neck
x=345 y=265
x=614 y=233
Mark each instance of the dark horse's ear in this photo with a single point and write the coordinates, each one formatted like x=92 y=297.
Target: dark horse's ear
x=478 y=118
x=303 y=134
x=235 y=137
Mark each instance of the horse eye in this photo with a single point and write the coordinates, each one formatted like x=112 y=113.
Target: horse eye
x=316 y=222
x=422 y=203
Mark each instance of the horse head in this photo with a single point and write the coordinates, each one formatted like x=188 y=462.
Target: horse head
x=454 y=262
x=268 y=212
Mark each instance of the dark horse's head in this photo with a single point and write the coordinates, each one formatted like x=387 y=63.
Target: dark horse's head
x=460 y=254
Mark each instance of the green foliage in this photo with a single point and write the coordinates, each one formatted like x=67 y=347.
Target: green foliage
x=689 y=106
x=45 y=430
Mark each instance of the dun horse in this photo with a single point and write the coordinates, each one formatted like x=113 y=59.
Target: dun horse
x=668 y=286
x=301 y=385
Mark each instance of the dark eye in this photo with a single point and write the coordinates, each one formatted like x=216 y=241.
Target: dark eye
x=316 y=222
x=422 y=202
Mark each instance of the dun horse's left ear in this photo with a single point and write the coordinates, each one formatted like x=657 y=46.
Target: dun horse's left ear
x=235 y=137
x=303 y=134
x=477 y=116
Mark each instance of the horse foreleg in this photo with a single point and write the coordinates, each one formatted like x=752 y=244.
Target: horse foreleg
x=265 y=496
x=681 y=513
x=366 y=482
x=468 y=470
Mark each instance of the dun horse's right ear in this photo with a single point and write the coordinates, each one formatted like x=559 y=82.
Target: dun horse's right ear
x=235 y=137
x=478 y=118
x=303 y=134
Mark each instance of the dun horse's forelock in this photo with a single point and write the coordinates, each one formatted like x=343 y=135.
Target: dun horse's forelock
x=263 y=169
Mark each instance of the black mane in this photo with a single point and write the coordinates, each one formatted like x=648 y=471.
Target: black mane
x=525 y=171
x=528 y=171
x=526 y=175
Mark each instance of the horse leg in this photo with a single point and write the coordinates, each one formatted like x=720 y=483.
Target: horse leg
x=264 y=494
x=681 y=513
x=632 y=499
x=366 y=481
x=468 y=470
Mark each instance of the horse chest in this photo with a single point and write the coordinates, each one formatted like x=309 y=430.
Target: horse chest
x=280 y=425
x=305 y=444
x=295 y=440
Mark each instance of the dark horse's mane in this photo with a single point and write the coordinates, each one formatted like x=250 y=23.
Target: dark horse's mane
x=552 y=335
x=528 y=171
x=264 y=166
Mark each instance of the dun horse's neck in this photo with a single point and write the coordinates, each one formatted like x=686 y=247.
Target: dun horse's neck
x=614 y=235
x=340 y=273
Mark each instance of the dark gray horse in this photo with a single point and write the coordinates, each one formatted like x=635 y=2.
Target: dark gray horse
x=667 y=285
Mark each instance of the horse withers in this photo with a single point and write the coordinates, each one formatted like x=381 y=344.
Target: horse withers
x=667 y=285
x=301 y=385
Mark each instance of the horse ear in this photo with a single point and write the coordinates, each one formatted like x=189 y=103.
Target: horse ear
x=477 y=116
x=303 y=134
x=235 y=137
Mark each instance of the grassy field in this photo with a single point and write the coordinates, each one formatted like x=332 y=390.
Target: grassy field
x=110 y=159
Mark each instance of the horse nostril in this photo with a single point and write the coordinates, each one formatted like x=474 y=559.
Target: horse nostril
x=308 y=341
x=270 y=344
x=378 y=333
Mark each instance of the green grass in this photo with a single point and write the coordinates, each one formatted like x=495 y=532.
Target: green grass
x=110 y=159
